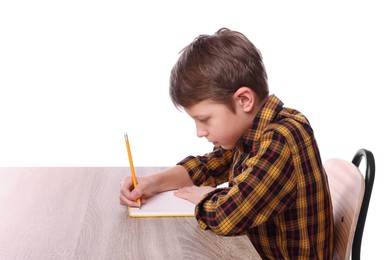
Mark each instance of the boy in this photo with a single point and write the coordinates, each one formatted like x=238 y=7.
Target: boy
x=278 y=193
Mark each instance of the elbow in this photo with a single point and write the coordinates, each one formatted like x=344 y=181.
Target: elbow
x=222 y=232
x=224 y=229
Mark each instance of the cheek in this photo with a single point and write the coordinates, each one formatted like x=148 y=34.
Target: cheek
x=224 y=129
x=231 y=130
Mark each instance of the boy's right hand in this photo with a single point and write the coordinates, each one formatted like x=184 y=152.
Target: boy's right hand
x=128 y=195
x=168 y=179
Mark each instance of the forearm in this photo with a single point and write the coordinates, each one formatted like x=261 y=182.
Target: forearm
x=210 y=169
x=173 y=178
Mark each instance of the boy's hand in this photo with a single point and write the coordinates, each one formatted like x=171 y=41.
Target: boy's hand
x=168 y=179
x=193 y=194
x=129 y=195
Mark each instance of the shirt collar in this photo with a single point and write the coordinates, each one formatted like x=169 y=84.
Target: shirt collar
x=264 y=117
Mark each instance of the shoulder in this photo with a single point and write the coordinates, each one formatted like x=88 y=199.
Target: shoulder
x=294 y=128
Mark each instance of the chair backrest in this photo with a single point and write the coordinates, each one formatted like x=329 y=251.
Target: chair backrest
x=350 y=193
x=346 y=185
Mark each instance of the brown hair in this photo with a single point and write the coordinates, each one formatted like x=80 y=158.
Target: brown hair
x=215 y=67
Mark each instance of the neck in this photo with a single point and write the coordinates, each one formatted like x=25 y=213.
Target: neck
x=259 y=105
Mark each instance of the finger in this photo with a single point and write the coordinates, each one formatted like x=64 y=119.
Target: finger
x=188 y=189
x=127 y=182
x=126 y=202
x=181 y=193
x=135 y=194
x=126 y=187
x=125 y=193
x=131 y=195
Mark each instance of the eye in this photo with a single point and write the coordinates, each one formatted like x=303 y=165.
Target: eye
x=203 y=120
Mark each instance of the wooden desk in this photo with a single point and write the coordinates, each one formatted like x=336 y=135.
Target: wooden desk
x=74 y=213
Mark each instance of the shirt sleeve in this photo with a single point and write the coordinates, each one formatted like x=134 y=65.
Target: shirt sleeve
x=210 y=169
x=265 y=188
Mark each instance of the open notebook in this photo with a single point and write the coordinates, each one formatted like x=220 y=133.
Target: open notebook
x=164 y=204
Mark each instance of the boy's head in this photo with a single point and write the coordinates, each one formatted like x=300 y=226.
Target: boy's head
x=214 y=67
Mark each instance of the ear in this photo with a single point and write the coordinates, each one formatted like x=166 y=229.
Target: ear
x=245 y=99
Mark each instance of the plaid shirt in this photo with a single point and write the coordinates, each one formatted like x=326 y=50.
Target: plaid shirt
x=278 y=192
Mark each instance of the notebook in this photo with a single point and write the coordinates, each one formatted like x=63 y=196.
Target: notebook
x=164 y=204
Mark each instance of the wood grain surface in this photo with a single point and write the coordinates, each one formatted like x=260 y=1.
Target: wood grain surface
x=74 y=213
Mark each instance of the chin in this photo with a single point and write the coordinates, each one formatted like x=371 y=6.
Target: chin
x=227 y=147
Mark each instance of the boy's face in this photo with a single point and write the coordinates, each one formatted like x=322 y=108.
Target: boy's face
x=219 y=124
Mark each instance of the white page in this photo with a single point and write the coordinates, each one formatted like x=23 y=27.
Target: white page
x=164 y=204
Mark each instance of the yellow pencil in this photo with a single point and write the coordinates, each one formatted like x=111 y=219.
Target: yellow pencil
x=132 y=167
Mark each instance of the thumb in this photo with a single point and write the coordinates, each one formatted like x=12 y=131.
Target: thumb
x=136 y=193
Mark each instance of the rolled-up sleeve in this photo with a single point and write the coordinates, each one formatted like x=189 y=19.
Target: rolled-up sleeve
x=211 y=169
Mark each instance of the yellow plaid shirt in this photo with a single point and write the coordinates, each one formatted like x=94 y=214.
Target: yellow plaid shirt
x=278 y=191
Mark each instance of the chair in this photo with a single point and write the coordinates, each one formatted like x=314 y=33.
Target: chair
x=351 y=193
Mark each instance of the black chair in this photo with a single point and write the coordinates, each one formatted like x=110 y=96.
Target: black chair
x=351 y=193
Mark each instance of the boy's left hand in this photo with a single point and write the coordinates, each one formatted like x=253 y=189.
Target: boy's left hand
x=193 y=193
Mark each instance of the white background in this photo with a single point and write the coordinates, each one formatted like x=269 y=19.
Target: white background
x=76 y=75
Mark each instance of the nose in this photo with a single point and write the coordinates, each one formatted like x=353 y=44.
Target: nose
x=201 y=132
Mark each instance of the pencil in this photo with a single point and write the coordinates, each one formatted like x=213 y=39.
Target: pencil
x=132 y=167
